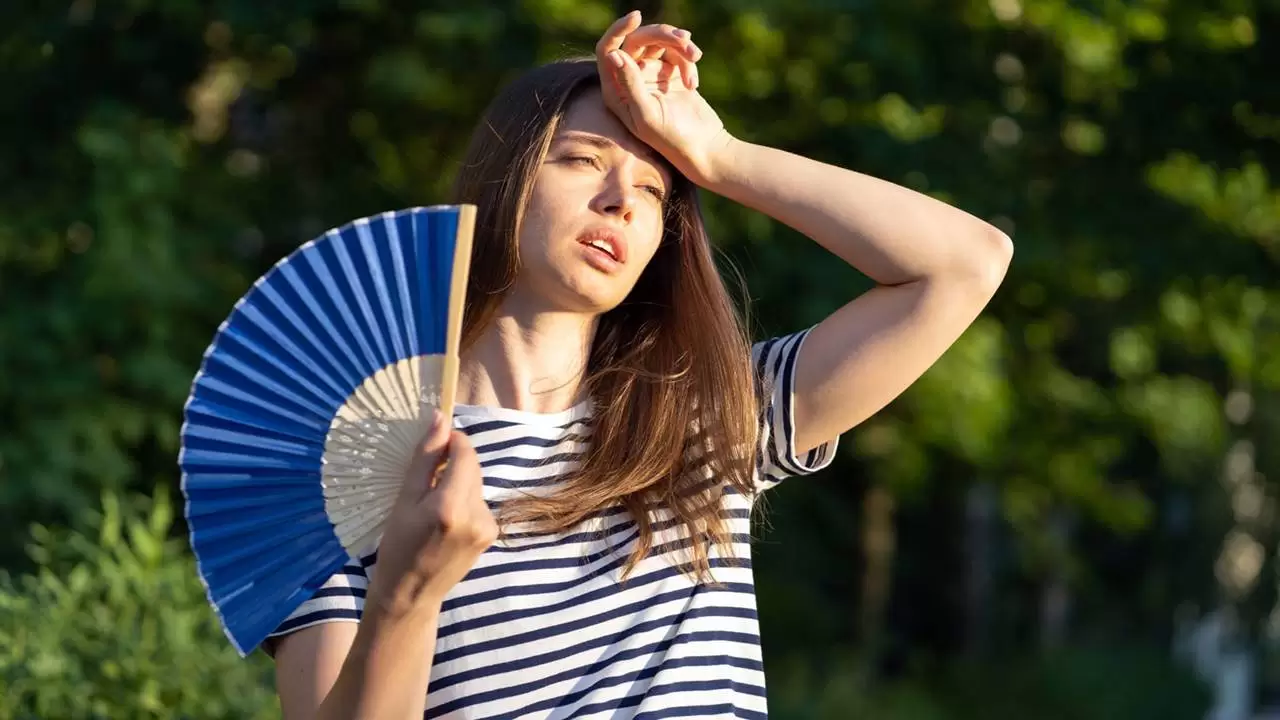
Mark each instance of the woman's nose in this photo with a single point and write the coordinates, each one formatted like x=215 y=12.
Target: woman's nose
x=617 y=197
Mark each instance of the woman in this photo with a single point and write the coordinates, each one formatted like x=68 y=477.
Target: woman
x=615 y=418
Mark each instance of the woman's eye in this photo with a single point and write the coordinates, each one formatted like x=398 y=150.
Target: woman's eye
x=582 y=160
x=656 y=192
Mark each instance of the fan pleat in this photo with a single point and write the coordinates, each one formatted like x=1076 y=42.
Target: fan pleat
x=443 y=252
x=215 y=393
x=258 y=311
x=307 y=282
x=232 y=440
x=247 y=481
x=430 y=325
x=386 y=260
x=236 y=527
x=215 y=500
x=356 y=286
x=323 y=263
x=292 y=563
x=361 y=285
x=301 y=307
x=237 y=550
x=400 y=253
x=388 y=293
x=230 y=365
x=273 y=364
x=231 y=418
x=197 y=458
x=224 y=575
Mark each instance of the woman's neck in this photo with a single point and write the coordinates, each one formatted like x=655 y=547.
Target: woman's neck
x=534 y=363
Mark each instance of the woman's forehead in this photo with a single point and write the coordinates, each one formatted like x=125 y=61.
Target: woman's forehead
x=587 y=117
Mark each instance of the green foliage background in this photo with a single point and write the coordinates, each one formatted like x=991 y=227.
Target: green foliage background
x=1101 y=441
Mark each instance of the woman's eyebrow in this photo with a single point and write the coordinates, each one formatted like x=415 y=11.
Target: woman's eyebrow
x=605 y=143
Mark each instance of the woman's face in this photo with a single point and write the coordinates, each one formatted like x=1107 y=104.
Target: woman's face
x=594 y=219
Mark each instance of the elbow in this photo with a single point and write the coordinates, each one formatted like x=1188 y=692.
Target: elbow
x=985 y=259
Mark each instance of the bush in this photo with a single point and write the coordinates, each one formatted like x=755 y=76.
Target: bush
x=114 y=623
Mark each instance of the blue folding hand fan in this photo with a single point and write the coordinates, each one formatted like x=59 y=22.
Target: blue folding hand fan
x=309 y=403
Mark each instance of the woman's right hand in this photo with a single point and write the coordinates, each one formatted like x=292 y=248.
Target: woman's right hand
x=434 y=534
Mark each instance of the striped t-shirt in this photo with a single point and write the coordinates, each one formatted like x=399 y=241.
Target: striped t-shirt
x=542 y=626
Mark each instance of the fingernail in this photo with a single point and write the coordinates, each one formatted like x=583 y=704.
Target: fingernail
x=437 y=418
x=681 y=33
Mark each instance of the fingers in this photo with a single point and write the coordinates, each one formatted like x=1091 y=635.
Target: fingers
x=628 y=81
x=437 y=434
x=617 y=32
x=460 y=471
x=664 y=36
x=427 y=456
x=670 y=44
x=652 y=42
x=457 y=505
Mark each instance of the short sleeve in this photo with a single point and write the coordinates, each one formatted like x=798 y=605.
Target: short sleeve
x=775 y=367
x=340 y=599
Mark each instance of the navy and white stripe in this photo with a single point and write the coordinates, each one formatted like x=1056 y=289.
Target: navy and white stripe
x=775 y=362
x=543 y=626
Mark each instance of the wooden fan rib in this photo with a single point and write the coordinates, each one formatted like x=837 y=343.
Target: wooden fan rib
x=457 y=305
x=357 y=535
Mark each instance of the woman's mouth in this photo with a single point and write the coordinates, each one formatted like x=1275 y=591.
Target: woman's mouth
x=605 y=248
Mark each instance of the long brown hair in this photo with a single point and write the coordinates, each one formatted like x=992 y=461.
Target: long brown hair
x=669 y=370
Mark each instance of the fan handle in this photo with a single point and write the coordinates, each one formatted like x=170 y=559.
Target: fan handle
x=457 y=305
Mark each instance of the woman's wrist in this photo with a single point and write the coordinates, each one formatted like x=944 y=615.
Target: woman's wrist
x=386 y=672
x=408 y=599
x=715 y=165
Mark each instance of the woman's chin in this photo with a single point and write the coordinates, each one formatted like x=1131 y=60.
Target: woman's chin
x=577 y=293
x=588 y=303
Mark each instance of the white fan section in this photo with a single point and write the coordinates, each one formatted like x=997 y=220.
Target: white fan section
x=369 y=445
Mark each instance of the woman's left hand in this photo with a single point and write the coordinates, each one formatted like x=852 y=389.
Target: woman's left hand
x=649 y=79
